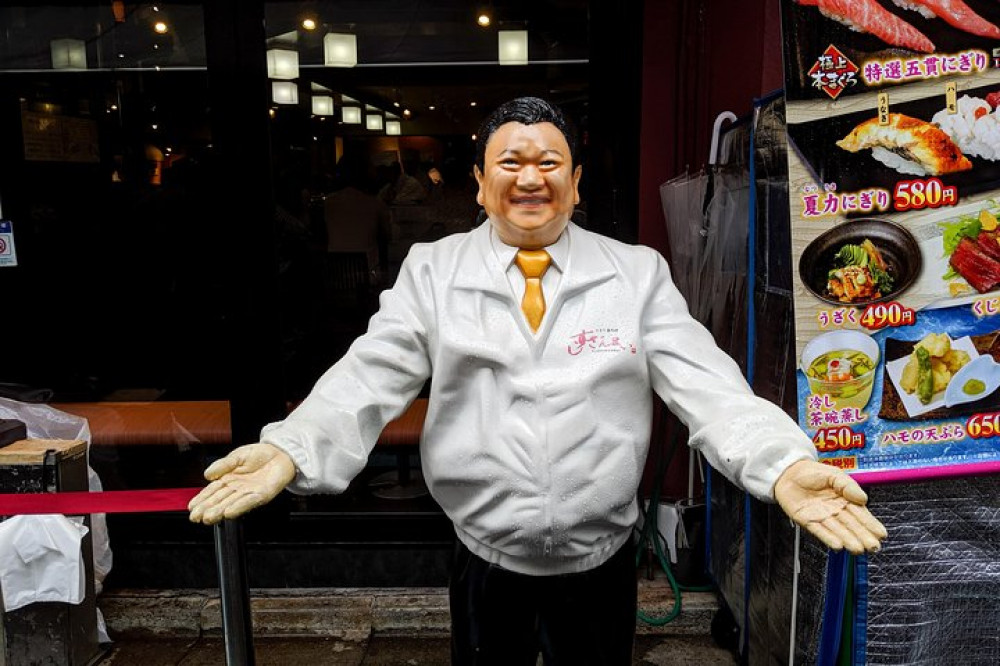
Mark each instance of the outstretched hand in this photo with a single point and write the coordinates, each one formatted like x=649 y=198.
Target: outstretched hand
x=830 y=505
x=248 y=477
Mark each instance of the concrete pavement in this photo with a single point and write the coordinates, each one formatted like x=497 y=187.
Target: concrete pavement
x=377 y=651
x=358 y=627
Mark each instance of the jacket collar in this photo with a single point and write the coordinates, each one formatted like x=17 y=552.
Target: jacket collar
x=479 y=270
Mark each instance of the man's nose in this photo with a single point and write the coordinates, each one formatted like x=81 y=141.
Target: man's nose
x=529 y=177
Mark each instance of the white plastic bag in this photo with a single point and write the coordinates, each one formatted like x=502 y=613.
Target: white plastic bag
x=44 y=422
x=40 y=560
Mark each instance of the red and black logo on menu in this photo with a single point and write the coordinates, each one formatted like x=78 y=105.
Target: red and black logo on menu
x=833 y=72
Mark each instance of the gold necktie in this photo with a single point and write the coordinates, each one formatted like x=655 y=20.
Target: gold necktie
x=533 y=264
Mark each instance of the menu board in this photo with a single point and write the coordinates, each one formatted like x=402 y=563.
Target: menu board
x=49 y=137
x=894 y=194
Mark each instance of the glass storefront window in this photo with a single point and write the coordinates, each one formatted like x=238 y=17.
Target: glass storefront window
x=117 y=287
x=205 y=201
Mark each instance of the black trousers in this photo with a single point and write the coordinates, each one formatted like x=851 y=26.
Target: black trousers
x=502 y=618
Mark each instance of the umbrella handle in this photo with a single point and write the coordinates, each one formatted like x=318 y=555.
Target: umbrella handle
x=713 y=153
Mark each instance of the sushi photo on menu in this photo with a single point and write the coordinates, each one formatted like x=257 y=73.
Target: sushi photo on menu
x=893 y=127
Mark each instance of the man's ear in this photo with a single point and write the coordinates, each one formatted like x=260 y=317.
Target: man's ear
x=577 y=172
x=479 y=179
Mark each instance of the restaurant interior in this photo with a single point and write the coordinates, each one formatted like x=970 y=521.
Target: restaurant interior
x=206 y=207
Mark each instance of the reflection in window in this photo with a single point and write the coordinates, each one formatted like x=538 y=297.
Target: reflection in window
x=107 y=148
x=374 y=108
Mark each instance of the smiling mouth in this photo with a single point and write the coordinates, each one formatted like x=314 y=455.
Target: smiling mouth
x=529 y=201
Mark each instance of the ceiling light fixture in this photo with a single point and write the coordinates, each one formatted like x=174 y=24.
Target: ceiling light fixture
x=483 y=20
x=69 y=54
x=309 y=24
x=282 y=64
x=373 y=122
x=512 y=47
x=160 y=27
x=472 y=103
x=406 y=112
x=351 y=115
x=430 y=108
x=340 y=50
x=284 y=92
x=322 y=105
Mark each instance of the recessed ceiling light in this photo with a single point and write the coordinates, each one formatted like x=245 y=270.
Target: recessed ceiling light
x=396 y=104
x=406 y=112
x=483 y=20
x=309 y=24
x=473 y=137
x=472 y=103
x=154 y=126
x=430 y=108
x=160 y=27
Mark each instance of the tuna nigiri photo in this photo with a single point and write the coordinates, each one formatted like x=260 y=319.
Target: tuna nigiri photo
x=955 y=13
x=871 y=17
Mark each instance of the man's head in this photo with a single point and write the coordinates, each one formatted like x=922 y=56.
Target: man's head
x=528 y=183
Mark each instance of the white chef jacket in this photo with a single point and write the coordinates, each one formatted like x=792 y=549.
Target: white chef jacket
x=534 y=444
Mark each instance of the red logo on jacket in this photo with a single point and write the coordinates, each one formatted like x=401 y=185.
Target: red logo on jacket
x=598 y=340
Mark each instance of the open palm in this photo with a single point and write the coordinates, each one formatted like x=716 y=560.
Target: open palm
x=830 y=505
x=248 y=477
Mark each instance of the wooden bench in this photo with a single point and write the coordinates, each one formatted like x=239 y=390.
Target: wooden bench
x=155 y=423
x=206 y=422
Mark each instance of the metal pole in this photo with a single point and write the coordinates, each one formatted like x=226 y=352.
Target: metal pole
x=234 y=591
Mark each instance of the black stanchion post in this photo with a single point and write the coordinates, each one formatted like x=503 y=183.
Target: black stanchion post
x=234 y=591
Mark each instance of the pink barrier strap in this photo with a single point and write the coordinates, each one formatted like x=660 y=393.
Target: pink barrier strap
x=112 y=501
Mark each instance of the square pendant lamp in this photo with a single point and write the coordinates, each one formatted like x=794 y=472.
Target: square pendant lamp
x=285 y=92
x=512 y=47
x=340 y=50
x=69 y=54
x=351 y=115
x=282 y=64
x=322 y=105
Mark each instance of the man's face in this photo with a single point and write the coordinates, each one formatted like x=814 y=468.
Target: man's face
x=528 y=185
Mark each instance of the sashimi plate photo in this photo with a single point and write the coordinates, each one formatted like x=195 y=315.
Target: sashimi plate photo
x=962 y=263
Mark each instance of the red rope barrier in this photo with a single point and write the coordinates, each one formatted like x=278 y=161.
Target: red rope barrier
x=112 y=501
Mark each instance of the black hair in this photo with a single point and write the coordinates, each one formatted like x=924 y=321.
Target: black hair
x=527 y=111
